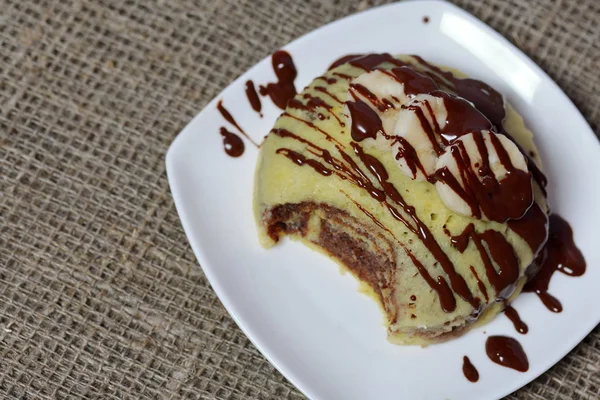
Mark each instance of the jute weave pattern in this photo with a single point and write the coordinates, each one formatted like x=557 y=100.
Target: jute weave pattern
x=100 y=294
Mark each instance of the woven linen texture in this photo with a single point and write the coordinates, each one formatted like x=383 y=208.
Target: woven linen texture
x=100 y=294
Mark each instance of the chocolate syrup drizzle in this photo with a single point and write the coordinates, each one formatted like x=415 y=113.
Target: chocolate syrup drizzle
x=510 y=200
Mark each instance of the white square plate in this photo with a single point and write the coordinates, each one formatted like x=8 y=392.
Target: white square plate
x=309 y=320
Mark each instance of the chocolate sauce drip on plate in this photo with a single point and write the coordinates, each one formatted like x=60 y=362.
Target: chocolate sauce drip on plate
x=425 y=20
x=514 y=317
x=253 y=97
x=232 y=143
x=469 y=370
x=228 y=117
x=285 y=70
x=506 y=351
x=559 y=254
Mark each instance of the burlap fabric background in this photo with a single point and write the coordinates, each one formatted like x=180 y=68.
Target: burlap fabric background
x=100 y=294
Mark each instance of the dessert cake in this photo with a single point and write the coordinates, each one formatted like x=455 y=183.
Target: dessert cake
x=423 y=183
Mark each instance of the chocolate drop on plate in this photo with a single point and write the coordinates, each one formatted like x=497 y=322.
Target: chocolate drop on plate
x=232 y=143
x=469 y=370
x=506 y=351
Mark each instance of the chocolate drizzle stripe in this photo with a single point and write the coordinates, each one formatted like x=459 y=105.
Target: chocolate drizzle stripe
x=409 y=154
x=346 y=169
x=480 y=284
x=329 y=80
x=321 y=89
x=426 y=128
x=445 y=295
x=368 y=214
x=499 y=201
x=343 y=76
x=532 y=227
x=371 y=97
x=414 y=83
x=316 y=102
x=300 y=160
x=500 y=250
x=313 y=126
